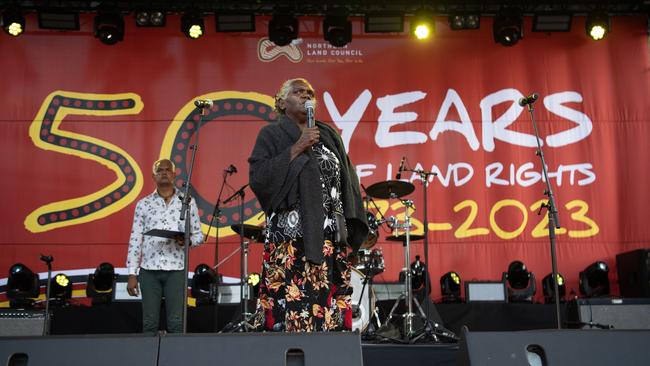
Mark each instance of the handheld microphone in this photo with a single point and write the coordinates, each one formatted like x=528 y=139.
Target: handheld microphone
x=309 y=107
x=203 y=103
x=528 y=100
x=398 y=176
x=231 y=169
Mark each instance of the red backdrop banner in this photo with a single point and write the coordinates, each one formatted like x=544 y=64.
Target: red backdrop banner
x=82 y=123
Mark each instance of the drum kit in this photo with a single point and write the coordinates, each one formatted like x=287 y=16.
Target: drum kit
x=397 y=189
x=369 y=262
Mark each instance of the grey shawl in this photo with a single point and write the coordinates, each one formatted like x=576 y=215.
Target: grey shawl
x=280 y=183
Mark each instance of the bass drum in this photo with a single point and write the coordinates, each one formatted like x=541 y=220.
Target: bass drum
x=362 y=306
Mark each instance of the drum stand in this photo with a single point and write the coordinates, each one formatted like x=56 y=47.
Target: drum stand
x=431 y=329
x=407 y=295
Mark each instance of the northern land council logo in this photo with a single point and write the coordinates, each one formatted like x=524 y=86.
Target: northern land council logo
x=311 y=52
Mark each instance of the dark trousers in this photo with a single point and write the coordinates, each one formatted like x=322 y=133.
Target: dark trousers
x=154 y=285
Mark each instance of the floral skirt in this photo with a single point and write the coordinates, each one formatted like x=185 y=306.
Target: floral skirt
x=296 y=295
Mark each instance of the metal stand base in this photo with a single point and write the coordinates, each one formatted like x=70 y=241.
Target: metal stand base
x=242 y=326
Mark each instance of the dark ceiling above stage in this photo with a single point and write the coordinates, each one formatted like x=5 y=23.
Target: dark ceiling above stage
x=356 y=7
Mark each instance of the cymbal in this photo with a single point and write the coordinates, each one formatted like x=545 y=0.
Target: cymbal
x=390 y=189
x=250 y=231
x=402 y=237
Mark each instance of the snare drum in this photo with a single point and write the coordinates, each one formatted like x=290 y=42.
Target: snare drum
x=370 y=262
x=363 y=307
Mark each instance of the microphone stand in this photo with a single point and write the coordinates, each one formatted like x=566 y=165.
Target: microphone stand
x=48 y=259
x=243 y=325
x=369 y=200
x=553 y=219
x=185 y=215
x=216 y=213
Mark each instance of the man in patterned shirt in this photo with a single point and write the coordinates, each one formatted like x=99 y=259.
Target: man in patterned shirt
x=157 y=262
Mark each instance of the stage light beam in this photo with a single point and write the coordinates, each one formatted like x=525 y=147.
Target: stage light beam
x=13 y=22
x=192 y=24
x=423 y=25
x=597 y=25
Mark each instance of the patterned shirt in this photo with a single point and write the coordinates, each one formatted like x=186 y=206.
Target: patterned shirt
x=285 y=225
x=152 y=252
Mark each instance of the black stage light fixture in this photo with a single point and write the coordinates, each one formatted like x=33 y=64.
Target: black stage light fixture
x=337 y=28
x=463 y=21
x=549 y=289
x=101 y=284
x=520 y=282
x=150 y=18
x=419 y=274
x=13 y=21
x=283 y=27
x=58 y=20
x=235 y=22
x=472 y=21
x=60 y=289
x=597 y=25
x=450 y=284
x=22 y=286
x=205 y=285
x=385 y=22
x=192 y=24
x=552 y=22
x=109 y=27
x=594 y=280
x=507 y=28
x=423 y=25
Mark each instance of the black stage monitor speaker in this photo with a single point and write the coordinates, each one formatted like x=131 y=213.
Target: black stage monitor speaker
x=125 y=350
x=555 y=347
x=634 y=273
x=15 y=323
x=254 y=349
x=606 y=313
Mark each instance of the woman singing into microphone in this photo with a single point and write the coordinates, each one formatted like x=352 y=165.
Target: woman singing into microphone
x=309 y=191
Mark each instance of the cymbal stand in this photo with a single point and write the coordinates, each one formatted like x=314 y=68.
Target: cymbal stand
x=244 y=288
x=407 y=295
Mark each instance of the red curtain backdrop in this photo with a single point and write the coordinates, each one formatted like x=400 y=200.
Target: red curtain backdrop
x=81 y=123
